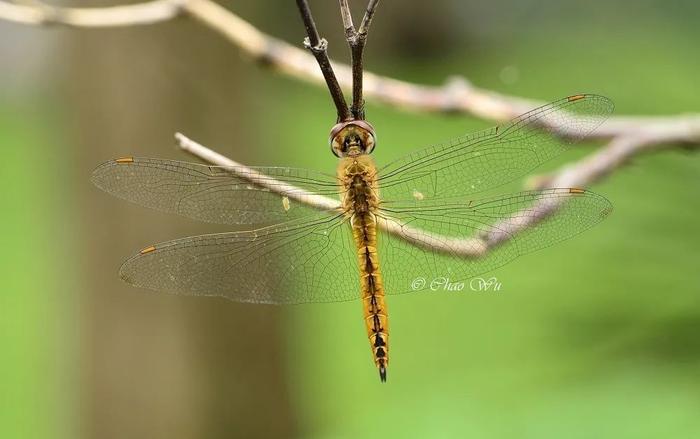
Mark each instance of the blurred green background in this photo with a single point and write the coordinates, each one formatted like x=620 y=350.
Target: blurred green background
x=596 y=337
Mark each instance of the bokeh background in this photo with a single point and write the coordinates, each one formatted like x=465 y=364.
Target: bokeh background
x=596 y=337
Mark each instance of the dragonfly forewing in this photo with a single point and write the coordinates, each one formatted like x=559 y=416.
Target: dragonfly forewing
x=216 y=194
x=491 y=158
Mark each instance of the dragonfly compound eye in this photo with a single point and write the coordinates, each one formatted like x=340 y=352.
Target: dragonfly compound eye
x=353 y=137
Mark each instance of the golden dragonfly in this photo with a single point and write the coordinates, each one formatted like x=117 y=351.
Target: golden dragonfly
x=365 y=232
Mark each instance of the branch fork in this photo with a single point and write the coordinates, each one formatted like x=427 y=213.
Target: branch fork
x=356 y=40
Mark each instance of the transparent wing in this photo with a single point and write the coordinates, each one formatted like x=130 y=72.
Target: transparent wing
x=490 y=158
x=223 y=195
x=297 y=262
x=314 y=260
x=460 y=240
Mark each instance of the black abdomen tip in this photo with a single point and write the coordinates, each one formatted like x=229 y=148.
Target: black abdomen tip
x=382 y=373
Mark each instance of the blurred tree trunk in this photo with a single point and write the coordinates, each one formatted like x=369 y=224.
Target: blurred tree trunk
x=159 y=365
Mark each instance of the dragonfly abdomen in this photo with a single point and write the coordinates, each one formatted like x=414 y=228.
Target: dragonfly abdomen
x=360 y=200
x=372 y=288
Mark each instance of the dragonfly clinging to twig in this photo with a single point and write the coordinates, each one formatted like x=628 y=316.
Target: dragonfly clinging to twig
x=416 y=218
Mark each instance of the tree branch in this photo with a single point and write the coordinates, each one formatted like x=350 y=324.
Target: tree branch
x=129 y=15
x=583 y=173
x=319 y=48
x=629 y=136
x=456 y=96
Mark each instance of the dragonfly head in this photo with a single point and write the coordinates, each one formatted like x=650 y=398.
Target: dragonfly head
x=352 y=138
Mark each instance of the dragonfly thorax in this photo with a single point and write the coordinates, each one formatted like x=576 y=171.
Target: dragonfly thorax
x=352 y=138
x=358 y=184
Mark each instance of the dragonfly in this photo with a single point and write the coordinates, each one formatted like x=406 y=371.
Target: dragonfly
x=364 y=232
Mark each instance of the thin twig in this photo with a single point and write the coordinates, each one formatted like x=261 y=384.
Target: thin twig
x=319 y=48
x=358 y=102
x=351 y=36
x=252 y=176
x=309 y=23
x=369 y=15
x=356 y=41
x=346 y=15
